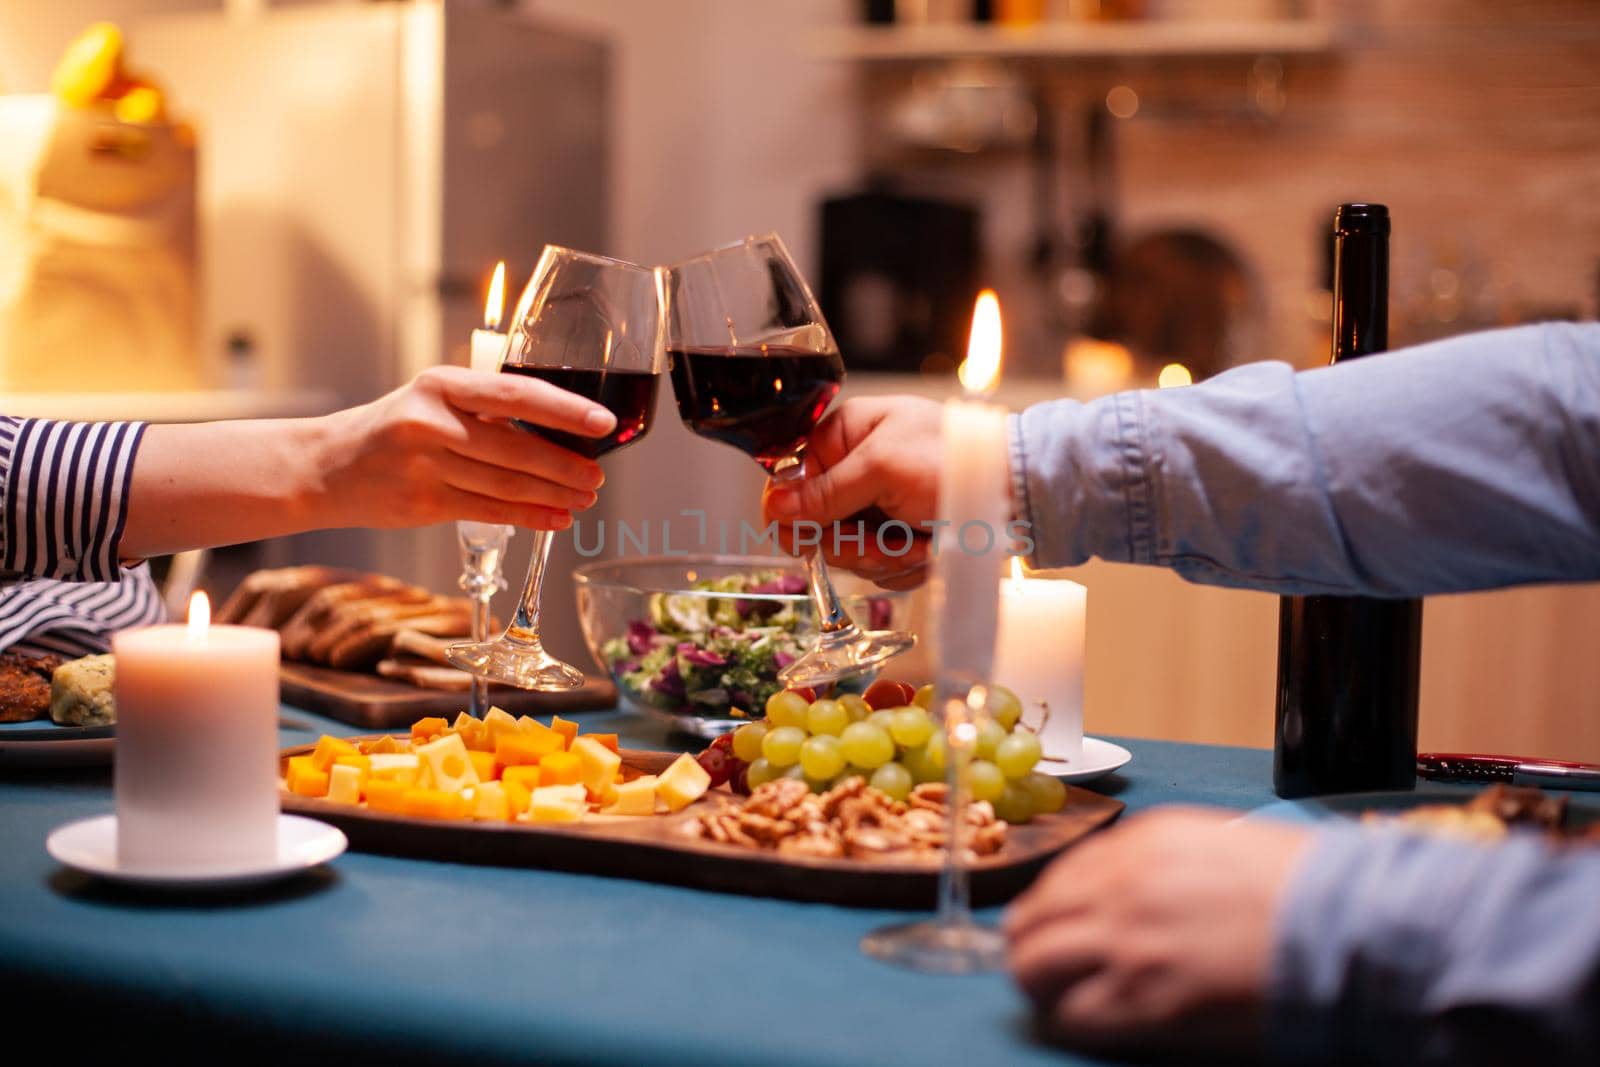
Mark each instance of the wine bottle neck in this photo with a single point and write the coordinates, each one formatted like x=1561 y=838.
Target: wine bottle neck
x=1360 y=285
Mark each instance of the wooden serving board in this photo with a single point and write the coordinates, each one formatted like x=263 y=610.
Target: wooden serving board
x=656 y=848
x=384 y=703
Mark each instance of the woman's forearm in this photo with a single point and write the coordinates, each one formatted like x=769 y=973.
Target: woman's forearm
x=221 y=483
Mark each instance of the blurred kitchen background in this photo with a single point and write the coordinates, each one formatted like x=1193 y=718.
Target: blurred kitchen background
x=322 y=189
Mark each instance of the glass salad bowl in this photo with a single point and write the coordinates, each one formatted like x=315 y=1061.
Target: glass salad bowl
x=698 y=640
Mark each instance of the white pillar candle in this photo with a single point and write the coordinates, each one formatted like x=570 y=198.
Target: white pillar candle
x=974 y=506
x=489 y=344
x=1039 y=657
x=196 y=777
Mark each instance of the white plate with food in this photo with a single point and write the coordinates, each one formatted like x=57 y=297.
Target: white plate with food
x=89 y=846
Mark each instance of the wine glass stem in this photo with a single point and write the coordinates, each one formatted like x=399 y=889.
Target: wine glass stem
x=955 y=902
x=524 y=628
x=831 y=616
x=480 y=632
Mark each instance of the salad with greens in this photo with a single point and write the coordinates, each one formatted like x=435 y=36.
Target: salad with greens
x=720 y=647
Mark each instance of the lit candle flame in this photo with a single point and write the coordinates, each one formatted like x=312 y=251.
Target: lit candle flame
x=980 y=371
x=199 y=616
x=1174 y=375
x=1016 y=569
x=495 y=305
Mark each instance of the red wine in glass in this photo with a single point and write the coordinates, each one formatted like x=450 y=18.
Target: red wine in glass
x=761 y=399
x=629 y=395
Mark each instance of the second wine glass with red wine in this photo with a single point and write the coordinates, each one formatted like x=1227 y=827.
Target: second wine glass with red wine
x=754 y=365
x=592 y=326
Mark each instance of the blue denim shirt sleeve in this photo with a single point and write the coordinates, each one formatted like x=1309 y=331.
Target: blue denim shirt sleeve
x=1465 y=464
x=1398 y=948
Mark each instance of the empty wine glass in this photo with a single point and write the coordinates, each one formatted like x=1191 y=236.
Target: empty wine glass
x=754 y=365
x=592 y=326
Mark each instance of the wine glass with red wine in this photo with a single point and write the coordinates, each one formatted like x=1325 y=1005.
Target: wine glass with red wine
x=592 y=326
x=754 y=365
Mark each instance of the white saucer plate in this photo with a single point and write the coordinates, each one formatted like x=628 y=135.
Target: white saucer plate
x=89 y=846
x=1099 y=759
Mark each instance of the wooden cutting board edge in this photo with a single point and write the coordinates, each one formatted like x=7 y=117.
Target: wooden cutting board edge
x=384 y=703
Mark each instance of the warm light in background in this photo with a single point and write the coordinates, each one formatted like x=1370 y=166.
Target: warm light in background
x=495 y=305
x=1174 y=375
x=1122 y=102
x=980 y=371
x=199 y=615
x=1095 y=368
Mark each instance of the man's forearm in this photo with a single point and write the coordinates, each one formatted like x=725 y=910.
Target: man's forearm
x=1466 y=464
x=209 y=484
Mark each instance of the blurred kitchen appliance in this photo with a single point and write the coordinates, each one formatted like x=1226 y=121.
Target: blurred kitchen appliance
x=364 y=166
x=899 y=275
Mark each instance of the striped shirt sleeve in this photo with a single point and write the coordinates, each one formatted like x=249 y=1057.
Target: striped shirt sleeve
x=64 y=497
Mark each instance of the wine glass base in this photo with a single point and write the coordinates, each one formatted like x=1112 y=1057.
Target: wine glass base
x=513 y=663
x=938 y=947
x=845 y=654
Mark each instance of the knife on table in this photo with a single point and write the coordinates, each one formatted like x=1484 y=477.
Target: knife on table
x=1513 y=770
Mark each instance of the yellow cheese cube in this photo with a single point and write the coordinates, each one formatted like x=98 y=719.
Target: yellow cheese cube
x=555 y=740
x=364 y=763
x=474 y=733
x=489 y=802
x=344 y=784
x=637 y=797
x=557 y=803
x=683 y=783
x=483 y=762
x=399 y=767
x=385 y=745
x=448 y=764
x=599 y=766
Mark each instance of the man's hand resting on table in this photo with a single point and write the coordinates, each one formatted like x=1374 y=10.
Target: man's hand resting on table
x=879 y=453
x=1155 y=937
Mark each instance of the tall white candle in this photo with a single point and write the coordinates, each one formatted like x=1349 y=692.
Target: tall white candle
x=196 y=777
x=489 y=344
x=974 y=506
x=1043 y=623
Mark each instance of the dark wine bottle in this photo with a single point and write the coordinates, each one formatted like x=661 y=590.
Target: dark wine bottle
x=1348 y=666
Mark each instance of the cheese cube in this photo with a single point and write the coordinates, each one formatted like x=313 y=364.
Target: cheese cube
x=599 y=766
x=474 y=733
x=637 y=797
x=433 y=804
x=304 y=778
x=683 y=783
x=518 y=748
x=518 y=796
x=561 y=768
x=402 y=767
x=532 y=727
x=483 y=762
x=529 y=778
x=557 y=803
x=384 y=795
x=447 y=761
x=568 y=730
x=385 y=745
x=427 y=729
x=489 y=802
x=329 y=749
x=344 y=784
x=608 y=740
x=499 y=723
x=363 y=763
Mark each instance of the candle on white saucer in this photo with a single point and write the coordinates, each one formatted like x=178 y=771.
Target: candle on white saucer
x=974 y=504
x=196 y=777
x=1039 y=657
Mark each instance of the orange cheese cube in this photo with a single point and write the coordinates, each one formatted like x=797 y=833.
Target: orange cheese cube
x=329 y=749
x=499 y=723
x=518 y=796
x=608 y=740
x=305 y=779
x=423 y=729
x=534 y=728
x=384 y=746
x=561 y=768
x=528 y=777
x=484 y=763
x=568 y=730
x=519 y=748
x=381 y=794
x=474 y=733
x=433 y=804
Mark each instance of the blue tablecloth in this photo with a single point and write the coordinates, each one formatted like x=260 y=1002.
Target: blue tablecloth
x=394 y=956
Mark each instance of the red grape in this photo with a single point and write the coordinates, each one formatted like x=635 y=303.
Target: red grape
x=740 y=782
x=718 y=763
x=807 y=692
x=886 y=694
x=724 y=742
